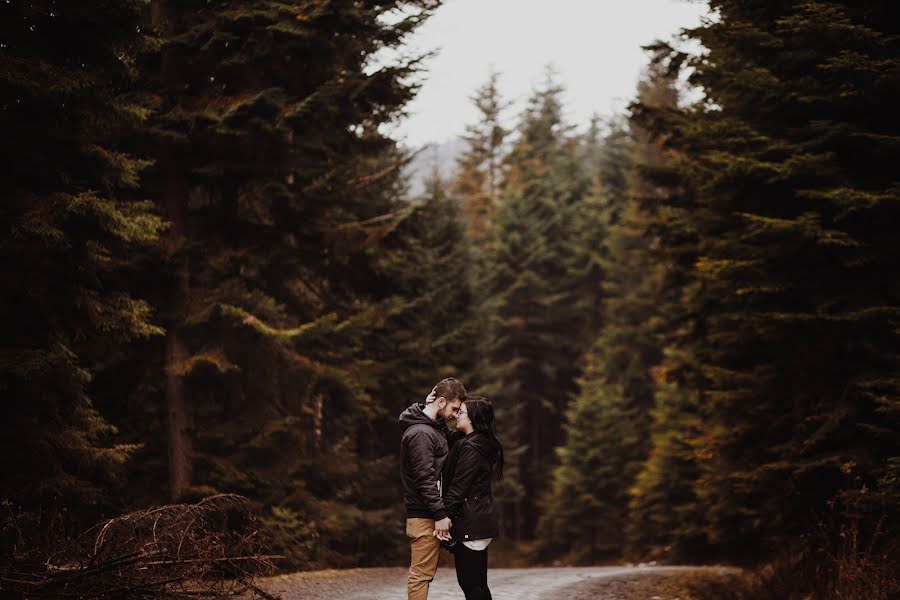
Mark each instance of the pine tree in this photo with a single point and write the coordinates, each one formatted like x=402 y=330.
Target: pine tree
x=426 y=330
x=70 y=229
x=666 y=519
x=431 y=324
x=622 y=469
x=606 y=157
x=616 y=391
x=792 y=155
x=478 y=182
x=533 y=301
x=282 y=194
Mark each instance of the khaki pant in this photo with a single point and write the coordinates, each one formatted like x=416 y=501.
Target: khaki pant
x=425 y=553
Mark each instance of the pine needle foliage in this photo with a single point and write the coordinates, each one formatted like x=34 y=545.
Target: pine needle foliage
x=803 y=337
x=531 y=358
x=285 y=304
x=665 y=518
x=791 y=153
x=70 y=230
x=478 y=183
x=606 y=435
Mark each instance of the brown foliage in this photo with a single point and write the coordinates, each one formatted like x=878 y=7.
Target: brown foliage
x=855 y=556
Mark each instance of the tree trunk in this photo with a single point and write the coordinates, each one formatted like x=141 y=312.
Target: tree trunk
x=174 y=205
x=180 y=422
x=520 y=519
x=177 y=352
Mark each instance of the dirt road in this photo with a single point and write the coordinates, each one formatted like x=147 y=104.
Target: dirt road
x=555 y=583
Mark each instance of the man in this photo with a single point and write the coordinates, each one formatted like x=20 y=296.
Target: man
x=423 y=450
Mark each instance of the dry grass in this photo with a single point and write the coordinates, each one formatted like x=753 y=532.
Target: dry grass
x=856 y=560
x=702 y=583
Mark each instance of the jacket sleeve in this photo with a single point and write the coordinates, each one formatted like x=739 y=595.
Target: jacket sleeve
x=463 y=478
x=420 y=450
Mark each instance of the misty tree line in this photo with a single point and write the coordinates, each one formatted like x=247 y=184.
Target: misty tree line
x=686 y=316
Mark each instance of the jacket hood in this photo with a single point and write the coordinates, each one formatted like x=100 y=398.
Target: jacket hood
x=484 y=444
x=415 y=415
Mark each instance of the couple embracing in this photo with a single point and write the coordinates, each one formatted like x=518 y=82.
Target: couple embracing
x=447 y=477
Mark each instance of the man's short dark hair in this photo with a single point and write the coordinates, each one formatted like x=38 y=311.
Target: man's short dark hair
x=450 y=388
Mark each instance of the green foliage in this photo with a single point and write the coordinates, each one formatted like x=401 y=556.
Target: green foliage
x=285 y=274
x=533 y=284
x=665 y=519
x=70 y=233
x=478 y=181
x=606 y=431
x=688 y=323
x=801 y=325
x=789 y=324
x=747 y=310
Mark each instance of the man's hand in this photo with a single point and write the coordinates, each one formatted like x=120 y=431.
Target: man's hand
x=442 y=528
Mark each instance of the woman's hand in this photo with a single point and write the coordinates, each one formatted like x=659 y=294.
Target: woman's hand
x=442 y=529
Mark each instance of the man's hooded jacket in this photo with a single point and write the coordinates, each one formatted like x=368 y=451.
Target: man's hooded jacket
x=423 y=450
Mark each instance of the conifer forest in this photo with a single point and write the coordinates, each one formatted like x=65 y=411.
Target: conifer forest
x=217 y=283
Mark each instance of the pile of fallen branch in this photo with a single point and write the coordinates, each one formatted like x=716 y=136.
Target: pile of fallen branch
x=206 y=550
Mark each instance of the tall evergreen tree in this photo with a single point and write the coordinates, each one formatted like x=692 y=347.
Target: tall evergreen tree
x=69 y=232
x=793 y=156
x=606 y=431
x=478 y=182
x=666 y=519
x=282 y=194
x=531 y=360
x=431 y=329
x=605 y=155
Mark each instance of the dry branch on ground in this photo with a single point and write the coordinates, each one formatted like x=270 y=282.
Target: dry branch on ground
x=210 y=549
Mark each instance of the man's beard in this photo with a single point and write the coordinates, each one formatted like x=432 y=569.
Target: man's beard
x=446 y=420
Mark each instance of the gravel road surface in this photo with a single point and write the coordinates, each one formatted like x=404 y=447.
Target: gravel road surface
x=553 y=583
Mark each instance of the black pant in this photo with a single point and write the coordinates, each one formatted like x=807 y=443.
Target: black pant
x=471 y=572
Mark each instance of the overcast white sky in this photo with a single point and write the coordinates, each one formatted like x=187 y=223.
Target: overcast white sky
x=594 y=45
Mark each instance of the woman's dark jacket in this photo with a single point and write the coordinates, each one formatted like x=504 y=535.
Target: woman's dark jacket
x=467 y=480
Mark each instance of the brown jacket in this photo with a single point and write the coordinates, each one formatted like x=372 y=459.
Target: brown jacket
x=423 y=450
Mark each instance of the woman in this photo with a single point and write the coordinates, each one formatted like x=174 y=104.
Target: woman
x=474 y=462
